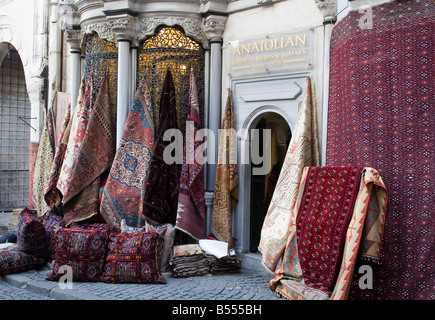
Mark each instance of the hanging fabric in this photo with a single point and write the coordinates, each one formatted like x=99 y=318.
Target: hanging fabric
x=94 y=157
x=43 y=163
x=123 y=194
x=78 y=127
x=191 y=202
x=161 y=191
x=303 y=151
x=52 y=195
x=226 y=190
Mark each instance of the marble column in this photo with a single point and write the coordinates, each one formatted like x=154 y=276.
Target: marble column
x=328 y=8
x=214 y=26
x=124 y=67
x=123 y=27
x=73 y=39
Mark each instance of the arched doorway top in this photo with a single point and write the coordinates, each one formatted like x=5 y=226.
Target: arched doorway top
x=252 y=120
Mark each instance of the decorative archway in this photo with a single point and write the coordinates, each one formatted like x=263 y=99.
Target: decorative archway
x=15 y=128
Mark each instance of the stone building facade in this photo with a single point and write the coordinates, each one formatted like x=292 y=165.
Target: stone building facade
x=263 y=50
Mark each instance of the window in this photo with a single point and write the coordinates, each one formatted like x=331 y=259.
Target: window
x=170 y=48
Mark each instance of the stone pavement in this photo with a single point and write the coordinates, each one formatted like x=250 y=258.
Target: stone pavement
x=246 y=285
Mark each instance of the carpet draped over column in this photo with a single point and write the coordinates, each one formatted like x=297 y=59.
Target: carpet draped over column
x=123 y=194
x=94 y=157
x=161 y=190
x=226 y=190
x=191 y=202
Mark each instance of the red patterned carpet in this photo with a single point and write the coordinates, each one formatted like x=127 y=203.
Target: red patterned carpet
x=381 y=115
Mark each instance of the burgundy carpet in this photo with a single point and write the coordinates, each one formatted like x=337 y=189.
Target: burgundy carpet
x=381 y=115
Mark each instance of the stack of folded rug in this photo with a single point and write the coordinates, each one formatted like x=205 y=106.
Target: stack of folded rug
x=220 y=258
x=188 y=260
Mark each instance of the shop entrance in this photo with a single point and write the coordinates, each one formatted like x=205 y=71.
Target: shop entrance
x=263 y=185
x=260 y=103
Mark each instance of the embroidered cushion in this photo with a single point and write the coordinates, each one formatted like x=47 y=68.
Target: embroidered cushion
x=95 y=226
x=31 y=236
x=52 y=223
x=12 y=260
x=134 y=258
x=168 y=241
x=83 y=250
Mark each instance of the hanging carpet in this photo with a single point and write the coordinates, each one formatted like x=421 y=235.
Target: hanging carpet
x=94 y=158
x=339 y=214
x=226 y=190
x=303 y=151
x=77 y=131
x=52 y=195
x=43 y=163
x=381 y=115
x=161 y=190
x=123 y=195
x=191 y=202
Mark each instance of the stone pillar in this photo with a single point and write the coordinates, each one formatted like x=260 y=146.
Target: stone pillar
x=133 y=88
x=123 y=27
x=55 y=58
x=74 y=40
x=214 y=26
x=328 y=8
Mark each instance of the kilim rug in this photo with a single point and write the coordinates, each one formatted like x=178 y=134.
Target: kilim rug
x=226 y=188
x=191 y=202
x=52 y=195
x=43 y=163
x=339 y=215
x=94 y=157
x=303 y=151
x=381 y=114
x=77 y=131
x=161 y=190
x=124 y=190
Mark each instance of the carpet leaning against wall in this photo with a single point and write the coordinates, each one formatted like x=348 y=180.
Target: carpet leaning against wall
x=381 y=114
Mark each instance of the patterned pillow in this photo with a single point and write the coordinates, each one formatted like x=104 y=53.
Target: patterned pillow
x=95 y=226
x=13 y=260
x=31 y=237
x=168 y=241
x=83 y=250
x=52 y=223
x=134 y=258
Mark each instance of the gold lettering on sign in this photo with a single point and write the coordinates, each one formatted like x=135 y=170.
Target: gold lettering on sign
x=272 y=52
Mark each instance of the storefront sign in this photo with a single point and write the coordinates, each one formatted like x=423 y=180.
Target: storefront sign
x=284 y=52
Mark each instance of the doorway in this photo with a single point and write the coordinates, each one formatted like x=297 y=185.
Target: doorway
x=263 y=185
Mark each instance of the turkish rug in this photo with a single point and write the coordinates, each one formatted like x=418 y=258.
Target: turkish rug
x=52 y=195
x=44 y=160
x=75 y=139
x=339 y=215
x=94 y=158
x=191 y=201
x=161 y=190
x=123 y=194
x=226 y=188
x=381 y=115
x=303 y=151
